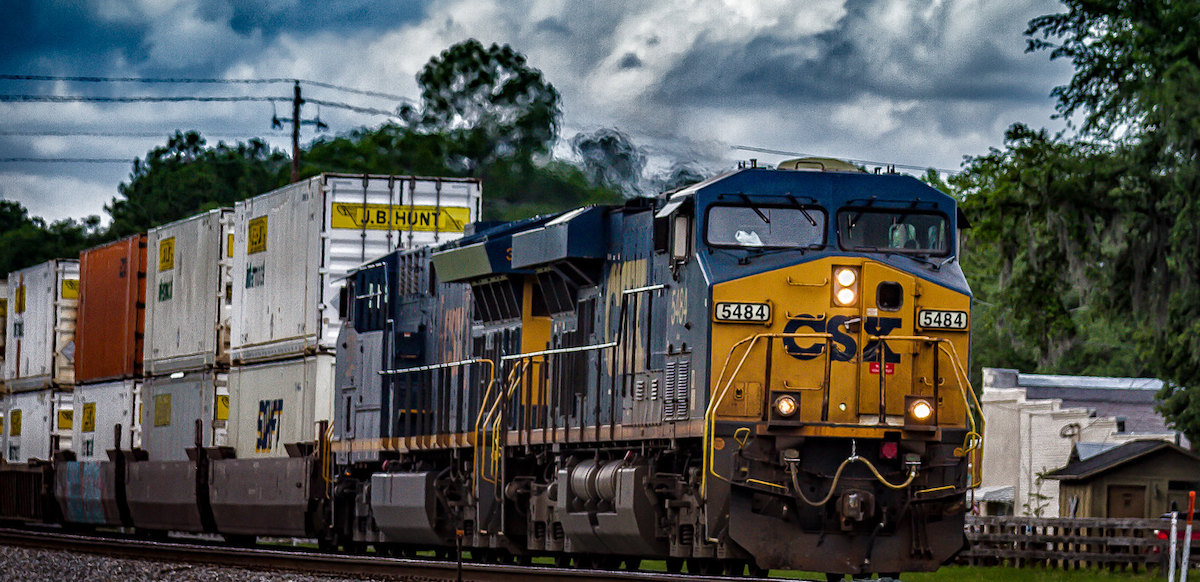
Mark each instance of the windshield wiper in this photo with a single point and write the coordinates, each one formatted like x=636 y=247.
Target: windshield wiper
x=854 y=221
x=760 y=214
x=800 y=207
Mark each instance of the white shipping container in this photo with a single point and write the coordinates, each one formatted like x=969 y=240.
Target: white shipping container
x=294 y=246
x=99 y=408
x=277 y=403
x=189 y=293
x=37 y=424
x=40 y=347
x=173 y=404
x=3 y=328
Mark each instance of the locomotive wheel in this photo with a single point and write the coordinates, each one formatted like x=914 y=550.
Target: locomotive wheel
x=735 y=568
x=757 y=572
x=705 y=566
x=674 y=565
x=584 y=562
x=633 y=564
x=562 y=561
x=831 y=577
x=606 y=562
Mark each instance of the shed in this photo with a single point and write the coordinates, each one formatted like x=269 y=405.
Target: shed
x=1139 y=479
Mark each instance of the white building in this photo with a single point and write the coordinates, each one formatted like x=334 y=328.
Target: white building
x=1035 y=420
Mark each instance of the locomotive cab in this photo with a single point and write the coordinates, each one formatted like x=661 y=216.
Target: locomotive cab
x=838 y=402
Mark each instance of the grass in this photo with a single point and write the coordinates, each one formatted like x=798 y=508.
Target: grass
x=1003 y=574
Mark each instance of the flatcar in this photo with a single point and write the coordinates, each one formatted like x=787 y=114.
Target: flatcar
x=763 y=370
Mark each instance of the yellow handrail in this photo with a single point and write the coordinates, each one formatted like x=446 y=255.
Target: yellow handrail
x=714 y=403
x=971 y=442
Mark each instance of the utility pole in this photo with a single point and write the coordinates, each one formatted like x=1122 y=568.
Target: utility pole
x=297 y=101
x=297 y=121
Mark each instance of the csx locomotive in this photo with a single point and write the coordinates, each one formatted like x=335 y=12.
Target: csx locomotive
x=764 y=369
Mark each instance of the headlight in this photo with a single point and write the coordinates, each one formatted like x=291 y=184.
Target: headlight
x=785 y=405
x=921 y=410
x=845 y=286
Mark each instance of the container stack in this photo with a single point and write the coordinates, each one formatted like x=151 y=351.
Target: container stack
x=39 y=354
x=3 y=388
x=108 y=347
x=293 y=248
x=189 y=293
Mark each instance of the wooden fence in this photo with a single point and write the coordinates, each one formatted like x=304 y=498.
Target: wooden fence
x=1070 y=543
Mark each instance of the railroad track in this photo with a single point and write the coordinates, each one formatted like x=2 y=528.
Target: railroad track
x=313 y=562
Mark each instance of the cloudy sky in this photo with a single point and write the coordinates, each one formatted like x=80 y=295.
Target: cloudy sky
x=910 y=82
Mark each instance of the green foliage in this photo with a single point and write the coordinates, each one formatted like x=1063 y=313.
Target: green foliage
x=519 y=187
x=26 y=241
x=488 y=103
x=1086 y=252
x=184 y=178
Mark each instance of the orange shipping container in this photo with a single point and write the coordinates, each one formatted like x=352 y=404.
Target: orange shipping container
x=112 y=312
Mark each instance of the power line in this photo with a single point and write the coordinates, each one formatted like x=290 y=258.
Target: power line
x=70 y=160
x=78 y=133
x=862 y=162
x=183 y=99
x=186 y=80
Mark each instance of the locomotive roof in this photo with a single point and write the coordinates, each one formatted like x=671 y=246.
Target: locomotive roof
x=830 y=189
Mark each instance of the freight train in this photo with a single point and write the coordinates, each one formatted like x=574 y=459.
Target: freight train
x=763 y=370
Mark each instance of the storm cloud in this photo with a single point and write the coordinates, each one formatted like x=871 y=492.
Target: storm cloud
x=900 y=81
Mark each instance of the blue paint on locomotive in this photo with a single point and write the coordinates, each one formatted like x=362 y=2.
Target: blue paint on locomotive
x=831 y=191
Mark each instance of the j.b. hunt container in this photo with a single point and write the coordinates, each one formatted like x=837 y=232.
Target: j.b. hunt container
x=111 y=318
x=293 y=247
x=278 y=403
x=189 y=292
x=36 y=424
x=99 y=409
x=172 y=404
x=39 y=351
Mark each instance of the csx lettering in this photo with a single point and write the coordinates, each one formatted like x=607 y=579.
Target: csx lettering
x=845 y=347
x=269 y=413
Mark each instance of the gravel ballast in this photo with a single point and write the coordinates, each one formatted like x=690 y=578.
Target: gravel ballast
x=33 y=565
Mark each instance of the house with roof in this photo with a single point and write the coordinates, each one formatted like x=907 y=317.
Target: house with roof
x=1035 y=422
x=1137 y=479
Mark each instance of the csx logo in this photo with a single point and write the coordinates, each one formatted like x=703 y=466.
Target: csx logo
x=269 y=412
x=845 y=346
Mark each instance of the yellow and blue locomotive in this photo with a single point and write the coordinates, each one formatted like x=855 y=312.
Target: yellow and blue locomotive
x=763 y=370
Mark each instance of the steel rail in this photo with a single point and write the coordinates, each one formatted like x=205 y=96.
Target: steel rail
x=314 y=562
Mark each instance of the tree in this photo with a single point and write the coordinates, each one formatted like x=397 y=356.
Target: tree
x=184 y=177
x=610 y=159
x=27 y=241
x=1136 y=88
x=488 y=102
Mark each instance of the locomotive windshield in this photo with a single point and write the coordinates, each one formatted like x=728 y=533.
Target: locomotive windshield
x=863 y=229
x=766 y=226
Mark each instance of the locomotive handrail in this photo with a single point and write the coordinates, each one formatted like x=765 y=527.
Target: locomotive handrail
x=973 y=440
x=491 y=377
x=714 y=403
x=480 y=420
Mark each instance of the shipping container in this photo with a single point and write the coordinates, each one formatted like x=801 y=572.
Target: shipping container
x=40 y=347
x=99 y=408
x=189 y=293
x=3 y=328
x=111 y=320
x=172 y=405
x=278 y=403
x=294 y=246
x=37 y=424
